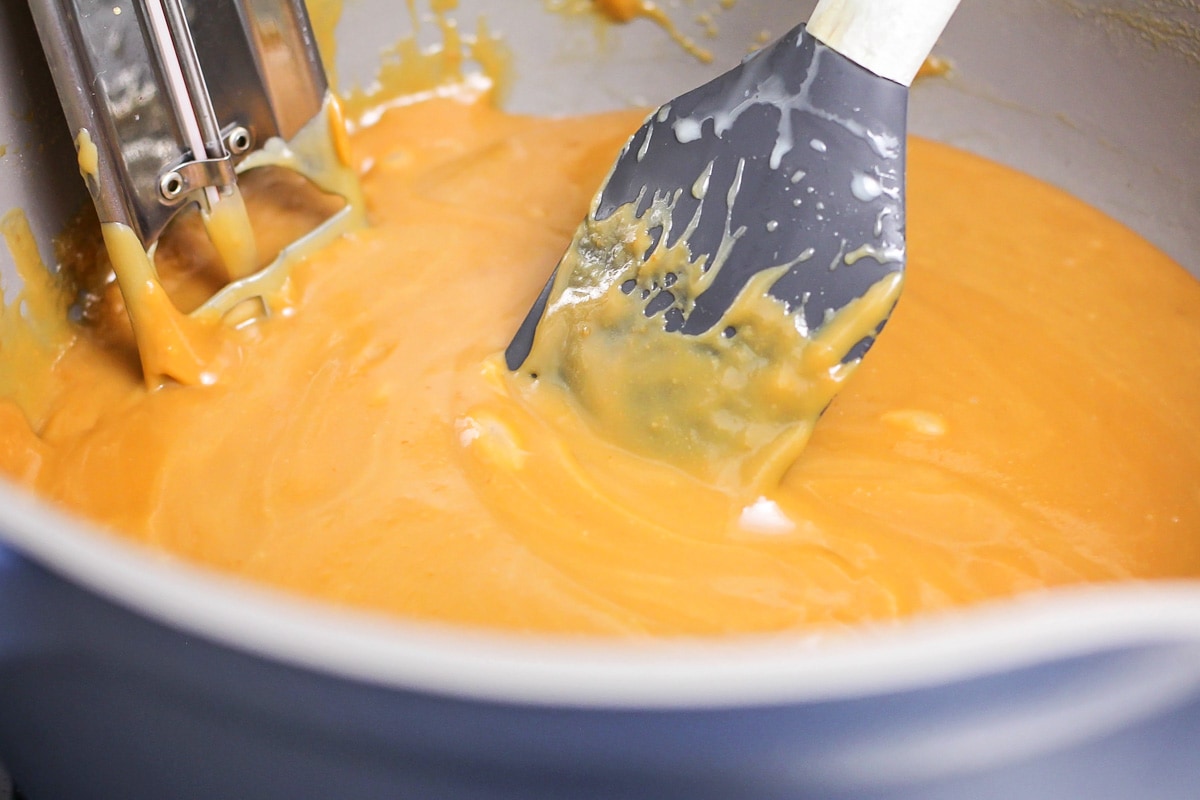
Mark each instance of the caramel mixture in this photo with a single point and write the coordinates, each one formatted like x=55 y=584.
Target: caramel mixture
x=1028 y=419
x=732 y=408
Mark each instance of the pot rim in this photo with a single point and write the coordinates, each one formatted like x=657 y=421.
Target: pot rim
x=601 y=672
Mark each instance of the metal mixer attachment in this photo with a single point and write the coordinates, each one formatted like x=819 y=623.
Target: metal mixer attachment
x=168 y=100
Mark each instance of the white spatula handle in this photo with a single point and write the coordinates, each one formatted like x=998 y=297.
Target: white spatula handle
x=889 y=37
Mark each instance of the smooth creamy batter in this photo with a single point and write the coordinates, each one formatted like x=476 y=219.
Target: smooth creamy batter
x=1028 y=419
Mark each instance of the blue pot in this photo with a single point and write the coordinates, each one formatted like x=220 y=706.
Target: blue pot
x=125 y=675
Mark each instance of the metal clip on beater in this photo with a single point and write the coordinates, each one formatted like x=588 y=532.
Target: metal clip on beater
x=178 y=96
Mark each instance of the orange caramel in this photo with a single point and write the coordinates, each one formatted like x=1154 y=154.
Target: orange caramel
x=1030 y=417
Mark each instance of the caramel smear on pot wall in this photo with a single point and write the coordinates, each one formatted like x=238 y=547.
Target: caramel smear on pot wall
x=623 y=12
x=1025 y=421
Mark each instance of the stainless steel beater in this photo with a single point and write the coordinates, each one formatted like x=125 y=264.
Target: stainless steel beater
x=178 y=96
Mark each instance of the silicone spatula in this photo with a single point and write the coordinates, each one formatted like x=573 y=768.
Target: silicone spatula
x=806 y=142
x=745 y=251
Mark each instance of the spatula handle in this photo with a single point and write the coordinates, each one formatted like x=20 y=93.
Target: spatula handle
x=889 y=37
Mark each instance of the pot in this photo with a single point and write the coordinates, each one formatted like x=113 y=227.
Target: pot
x=123 y=675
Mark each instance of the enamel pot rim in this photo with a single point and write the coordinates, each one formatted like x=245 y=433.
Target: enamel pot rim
x=744 y=670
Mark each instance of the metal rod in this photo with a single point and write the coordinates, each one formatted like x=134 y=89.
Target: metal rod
x=189 y=63
x=178 y=87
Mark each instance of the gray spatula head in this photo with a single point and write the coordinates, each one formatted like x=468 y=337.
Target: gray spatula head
x=795 y=157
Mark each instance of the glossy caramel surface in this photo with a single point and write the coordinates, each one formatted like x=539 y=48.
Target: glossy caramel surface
x=1029 y=418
